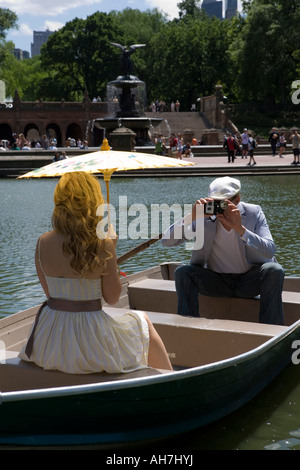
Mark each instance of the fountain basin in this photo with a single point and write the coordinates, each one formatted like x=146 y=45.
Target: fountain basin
x=126 y=97
x=139 y=125
x=130 y=122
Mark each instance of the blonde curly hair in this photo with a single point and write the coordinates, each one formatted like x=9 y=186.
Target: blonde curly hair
x=77 y=197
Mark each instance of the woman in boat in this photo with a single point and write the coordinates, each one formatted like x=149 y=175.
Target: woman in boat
x=76 y=268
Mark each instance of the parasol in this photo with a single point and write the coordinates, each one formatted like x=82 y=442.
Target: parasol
x=105 y=162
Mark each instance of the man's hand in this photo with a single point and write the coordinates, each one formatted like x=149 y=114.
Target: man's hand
x=196 y=212
x=231 y=218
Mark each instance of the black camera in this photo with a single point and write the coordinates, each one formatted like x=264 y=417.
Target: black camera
x=215 y=207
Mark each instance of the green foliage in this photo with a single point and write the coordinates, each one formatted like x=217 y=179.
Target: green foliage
x=255 y=56
x=139 y=28
x=188 y=59
x=189 y=8
x=8 y=20
x=24 y=76
x=79 y=57
x=266 y=49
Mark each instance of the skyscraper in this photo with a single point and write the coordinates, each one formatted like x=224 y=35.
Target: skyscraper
x=213 y=8
x=20 y=55
x=39 y=38
x=230 y=8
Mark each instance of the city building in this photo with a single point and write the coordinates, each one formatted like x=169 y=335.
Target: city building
x=231 y=8
x=39 y=38
x=21 y=55
x=213 y=8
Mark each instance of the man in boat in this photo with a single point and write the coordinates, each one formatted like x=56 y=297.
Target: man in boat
x=236 y=258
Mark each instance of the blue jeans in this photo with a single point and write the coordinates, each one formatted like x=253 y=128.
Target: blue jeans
x=265 y=280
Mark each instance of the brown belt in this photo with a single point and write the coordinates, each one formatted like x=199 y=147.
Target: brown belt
x=65 y=306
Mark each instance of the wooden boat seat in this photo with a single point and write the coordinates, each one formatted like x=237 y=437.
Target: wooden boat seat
x=193 y=342
x=16 y=374
x=159 y=295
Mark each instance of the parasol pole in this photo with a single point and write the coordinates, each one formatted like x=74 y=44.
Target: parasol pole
x=138 y=249
x=107 y=175
x=107 y=193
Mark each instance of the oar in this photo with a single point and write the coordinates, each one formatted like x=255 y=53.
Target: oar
x=138 y=249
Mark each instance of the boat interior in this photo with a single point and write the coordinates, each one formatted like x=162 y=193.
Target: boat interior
x=225 y=329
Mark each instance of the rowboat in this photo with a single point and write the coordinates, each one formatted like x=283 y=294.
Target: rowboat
x=221 y=361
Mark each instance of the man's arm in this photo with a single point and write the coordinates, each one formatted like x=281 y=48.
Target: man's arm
x=175 y=234
x=184 y=230
x=260 y=241
x=257 y=238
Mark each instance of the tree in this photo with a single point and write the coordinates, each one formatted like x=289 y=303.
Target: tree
x=139 y=28
x=79 y=57
x=8 y=20
x=189 y=7
x=24 y=76
x=265 y=51
x=188 y=58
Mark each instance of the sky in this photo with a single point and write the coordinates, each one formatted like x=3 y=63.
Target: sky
x=40 y=15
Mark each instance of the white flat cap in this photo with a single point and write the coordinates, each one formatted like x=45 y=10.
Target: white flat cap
x=224 y=188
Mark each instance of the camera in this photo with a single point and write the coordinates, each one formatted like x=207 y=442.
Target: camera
x=215 y=207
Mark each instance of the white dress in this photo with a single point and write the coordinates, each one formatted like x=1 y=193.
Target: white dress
x=87 y=342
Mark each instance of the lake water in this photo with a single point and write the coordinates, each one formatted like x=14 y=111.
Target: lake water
x=272 y=420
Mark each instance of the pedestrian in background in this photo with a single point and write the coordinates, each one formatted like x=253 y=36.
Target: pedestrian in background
x=245 y=141
x=282 y=144
x=295 y=138
x=273 y=139
x=251 y=147
x=230 y=145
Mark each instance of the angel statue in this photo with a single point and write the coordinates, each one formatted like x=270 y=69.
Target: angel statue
x=126 y=62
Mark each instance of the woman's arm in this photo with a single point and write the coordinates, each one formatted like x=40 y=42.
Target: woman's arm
x=111 y=284
x=39 y=270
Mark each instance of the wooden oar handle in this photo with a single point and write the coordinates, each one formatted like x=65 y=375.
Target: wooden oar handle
x=138 y=249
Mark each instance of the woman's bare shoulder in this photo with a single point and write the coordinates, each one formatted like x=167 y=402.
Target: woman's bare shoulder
x=51 y=237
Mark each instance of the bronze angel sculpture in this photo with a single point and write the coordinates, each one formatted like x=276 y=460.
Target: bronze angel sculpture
x=126 y=62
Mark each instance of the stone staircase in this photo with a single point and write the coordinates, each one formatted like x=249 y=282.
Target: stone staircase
x=179 y=122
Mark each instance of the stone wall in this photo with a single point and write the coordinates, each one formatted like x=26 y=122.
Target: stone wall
x=213 y=108
x=216 y=114
x=61 y=120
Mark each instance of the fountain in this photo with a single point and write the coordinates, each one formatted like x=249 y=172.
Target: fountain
x=126 y=97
